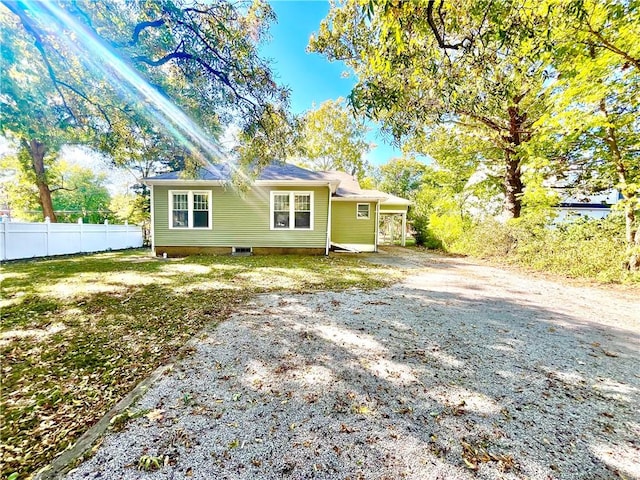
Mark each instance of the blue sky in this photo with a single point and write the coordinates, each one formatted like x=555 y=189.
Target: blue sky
x=310 y=76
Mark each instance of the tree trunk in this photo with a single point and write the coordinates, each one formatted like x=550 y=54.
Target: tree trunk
x=632 y=233
x=513 y=176
x=633 y=237
x=37 y=151
x=513 y=187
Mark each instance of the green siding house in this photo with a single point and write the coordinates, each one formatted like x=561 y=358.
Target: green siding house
x=287 y=209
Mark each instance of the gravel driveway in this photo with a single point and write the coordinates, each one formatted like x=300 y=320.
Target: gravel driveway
x=462 y=371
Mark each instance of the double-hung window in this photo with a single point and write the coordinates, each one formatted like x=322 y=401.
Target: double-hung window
x=362 y=212
x=291 y=210
x=189 y=209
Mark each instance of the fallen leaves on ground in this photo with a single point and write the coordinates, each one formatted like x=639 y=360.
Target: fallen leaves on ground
x=78 y=333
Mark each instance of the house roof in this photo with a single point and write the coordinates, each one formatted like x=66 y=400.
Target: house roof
x=350 y=188
x=344 y=186
x=222 y=173
x=580 y=205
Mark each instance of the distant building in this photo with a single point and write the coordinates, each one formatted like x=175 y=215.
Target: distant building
x=589 y=206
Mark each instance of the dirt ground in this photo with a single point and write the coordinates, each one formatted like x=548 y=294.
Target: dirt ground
x=461 y=371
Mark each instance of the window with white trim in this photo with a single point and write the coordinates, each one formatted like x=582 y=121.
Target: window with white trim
x=291 y=210
x=190 y=209
x=363 y=211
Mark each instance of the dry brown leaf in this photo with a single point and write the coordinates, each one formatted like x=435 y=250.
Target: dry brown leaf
x=155 y=415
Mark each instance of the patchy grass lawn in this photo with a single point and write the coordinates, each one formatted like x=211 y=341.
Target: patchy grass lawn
x=78 y=333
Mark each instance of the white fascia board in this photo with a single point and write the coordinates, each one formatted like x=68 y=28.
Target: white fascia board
x=396 y=201
x=355 y=199
x=289 y=183
x=184 y=183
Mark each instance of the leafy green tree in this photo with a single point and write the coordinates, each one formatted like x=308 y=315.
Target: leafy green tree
x=20 y=190
x=332 y=139
x=454 y=189
x=131 y=208
x=113 y=75
x=411 y=79
x=76 y=192
x=402 y=177
x=84 y=195
x=595 y=96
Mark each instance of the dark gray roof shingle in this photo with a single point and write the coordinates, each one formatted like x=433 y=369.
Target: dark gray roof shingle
x=280 y=171
x=274 y=171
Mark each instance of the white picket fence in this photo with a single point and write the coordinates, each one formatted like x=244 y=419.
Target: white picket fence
x=28 y=240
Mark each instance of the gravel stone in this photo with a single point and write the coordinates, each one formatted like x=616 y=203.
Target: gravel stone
x=462 y=371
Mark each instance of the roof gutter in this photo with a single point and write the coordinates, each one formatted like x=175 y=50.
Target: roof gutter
x=355 y=199
x=326 y=251
x=258 y=183
x=184 y=183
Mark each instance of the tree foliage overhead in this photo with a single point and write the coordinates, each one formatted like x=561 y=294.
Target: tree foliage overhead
x=544 y=87
x=596 y=110
x=127 y=76
x=402 y=177
x=418 y=65
x=332 y=139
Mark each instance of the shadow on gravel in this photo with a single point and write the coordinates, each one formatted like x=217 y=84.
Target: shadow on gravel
x=400 y=383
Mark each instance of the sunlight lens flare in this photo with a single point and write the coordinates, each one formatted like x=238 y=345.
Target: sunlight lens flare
x=95 y=52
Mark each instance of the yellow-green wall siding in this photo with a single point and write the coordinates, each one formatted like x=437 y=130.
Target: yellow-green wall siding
x=240 y=220
x=346 y=228
x=386 y=206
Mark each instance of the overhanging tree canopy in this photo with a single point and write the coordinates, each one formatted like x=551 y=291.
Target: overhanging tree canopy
x=418 y=65
x=332 y=139
x=105 y=72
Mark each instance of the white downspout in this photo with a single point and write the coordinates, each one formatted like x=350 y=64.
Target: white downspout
x=377 y=226
x=326 y=251
x=152 y=226
x=404 y=229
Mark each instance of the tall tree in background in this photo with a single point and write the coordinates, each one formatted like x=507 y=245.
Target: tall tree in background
x=332 y=139
x=86 y=197
x=91 y=70
x=402 y=177
x=76 y=192
x=595 y=96
x=418 y=66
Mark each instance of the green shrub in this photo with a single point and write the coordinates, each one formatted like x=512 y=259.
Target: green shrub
x=423 y=235
x=582 y=248
x=487 y=239
x=447 y=228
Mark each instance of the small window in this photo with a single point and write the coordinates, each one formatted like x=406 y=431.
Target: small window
x=180 y=210
x=188 y=209
x=281 y=211
x=200 y=210
x=363 y=211
x=291 y=210
x=303 y=210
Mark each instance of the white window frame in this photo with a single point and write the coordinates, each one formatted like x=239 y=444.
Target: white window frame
x=368 y=217
x=292 y=211
x=190 y=194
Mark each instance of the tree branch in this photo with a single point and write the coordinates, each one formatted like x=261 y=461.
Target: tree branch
x=188 y=56
x=88 y=100
x=55 y=189
x=434 y=28
x=612 y=48
x=140 y=27
x=39 y=44
x=492 y=124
